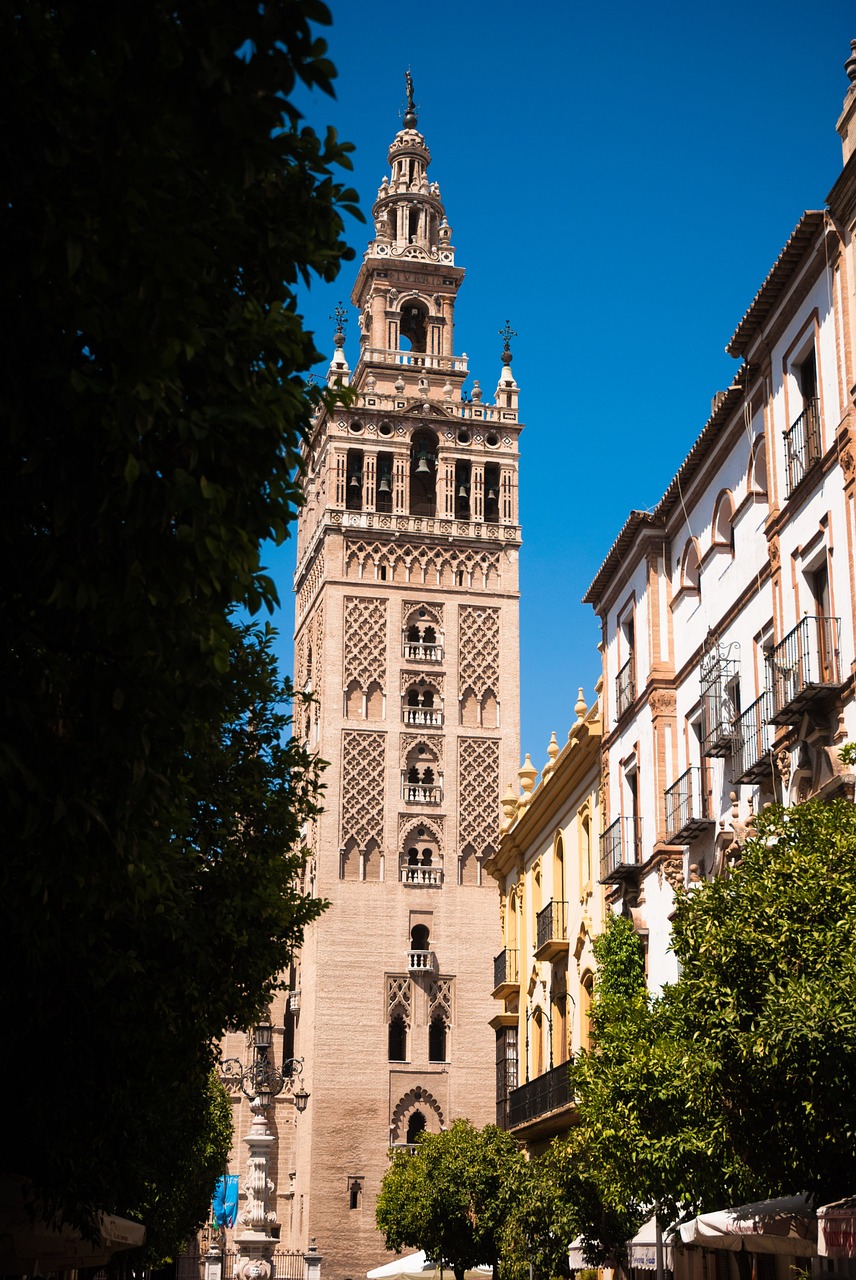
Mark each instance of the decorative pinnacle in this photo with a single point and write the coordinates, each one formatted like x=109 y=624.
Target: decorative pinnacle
x=850 y=64
x=506 y=334
x=340 y=315
x=410 y=113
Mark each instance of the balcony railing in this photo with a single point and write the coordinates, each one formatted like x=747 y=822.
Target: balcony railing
x=423 y=652
x=717 y=709
x=551 y=932
x=505 y=972
x=753 y=738
x=804 y=667
x=419 y=873
x=620 y=847
x=538 y=1097
x=426 y=716
x=420 y=793
x=625 y=688
x=420 y=961
x=686 y=808
x=803 y=444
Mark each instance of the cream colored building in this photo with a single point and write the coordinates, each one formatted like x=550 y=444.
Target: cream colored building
x=551 y=906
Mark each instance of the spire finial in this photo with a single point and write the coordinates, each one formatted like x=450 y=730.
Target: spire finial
x=410 y=113
x=850 y=64
x=507 y=334
x=341 y=317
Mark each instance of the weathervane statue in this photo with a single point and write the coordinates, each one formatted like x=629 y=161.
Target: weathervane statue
x=410 y=113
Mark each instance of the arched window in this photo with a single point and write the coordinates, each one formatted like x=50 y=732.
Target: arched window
x=723 y=521
x=559 y=870
x=758 y=467
x=419 y=937
x=414 y=325
x=354 y=482
x=463 y=488
x=423 y=474
x=491 y=494
x=397 y=1039
x=586 y=992
x=415 y=1127
x=437 y=1040
x=691 y=567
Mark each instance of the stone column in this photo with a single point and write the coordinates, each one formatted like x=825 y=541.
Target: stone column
x=256 y=1244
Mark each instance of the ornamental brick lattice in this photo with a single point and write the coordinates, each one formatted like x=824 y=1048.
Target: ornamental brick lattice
x=479 y=649
x=365 y=641
x=478 y=783
x=399 y=999
x=362 y=790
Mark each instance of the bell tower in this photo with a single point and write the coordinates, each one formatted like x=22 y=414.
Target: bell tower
x=407 y=637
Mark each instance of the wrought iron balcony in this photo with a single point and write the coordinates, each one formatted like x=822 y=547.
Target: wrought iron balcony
x=803 y=444
x=418 y=652
x=686 y=808
x=551 y=932
x=539 y=1097
x=420 y=792
x=419 y=874
x=620 y=847
x=505 y=973
x=753 y=738
x=625 y=687
x=717 y=710
x=804 y=667
x=426 y=716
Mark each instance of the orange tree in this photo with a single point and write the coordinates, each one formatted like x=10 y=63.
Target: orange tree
x=452 y=1196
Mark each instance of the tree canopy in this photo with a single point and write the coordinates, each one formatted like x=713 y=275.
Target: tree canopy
x=452 y=1196
x=161 y=201
x=734 y=1083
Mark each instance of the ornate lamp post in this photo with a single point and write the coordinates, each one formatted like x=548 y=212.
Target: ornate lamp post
x=261 y=1082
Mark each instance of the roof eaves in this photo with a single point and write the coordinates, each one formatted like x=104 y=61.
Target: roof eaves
x=778 y=279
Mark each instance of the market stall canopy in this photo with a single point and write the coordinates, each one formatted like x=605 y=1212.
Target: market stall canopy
x=420 y=1265
x=642 y=1250
x=836 y=1229
x=30 y=1243
x=785 y=1226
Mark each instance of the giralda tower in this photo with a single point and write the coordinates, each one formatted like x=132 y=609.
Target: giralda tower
x=407 y=635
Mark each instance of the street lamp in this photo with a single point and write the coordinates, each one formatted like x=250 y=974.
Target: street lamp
x=260 y=1082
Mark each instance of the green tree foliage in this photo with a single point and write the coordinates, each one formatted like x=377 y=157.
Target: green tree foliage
x=768 y=986
x=161 y=200
x=452 y=1196
x=735 y=1083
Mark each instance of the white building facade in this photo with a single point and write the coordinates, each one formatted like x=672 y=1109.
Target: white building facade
x=729 y=631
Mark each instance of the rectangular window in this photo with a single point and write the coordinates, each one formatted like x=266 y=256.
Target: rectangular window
x=506 y=1072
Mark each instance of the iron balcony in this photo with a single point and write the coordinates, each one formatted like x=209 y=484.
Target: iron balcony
x=804 y=667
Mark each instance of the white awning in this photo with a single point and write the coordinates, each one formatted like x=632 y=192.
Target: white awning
x=642 y=1250
x=784 y=1226
x=420 y=1265
x=836 y=1229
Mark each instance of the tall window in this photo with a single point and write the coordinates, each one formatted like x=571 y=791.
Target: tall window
x=397 y=1039
x=437 y=1040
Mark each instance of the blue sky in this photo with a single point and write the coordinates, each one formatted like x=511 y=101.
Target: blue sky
x=619 y=179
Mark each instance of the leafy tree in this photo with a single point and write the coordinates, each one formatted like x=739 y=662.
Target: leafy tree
x=452 y=1196
x=161 y=199
x=768 y=987
x=735 y=1083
